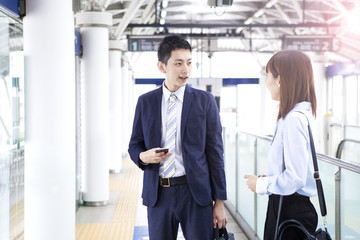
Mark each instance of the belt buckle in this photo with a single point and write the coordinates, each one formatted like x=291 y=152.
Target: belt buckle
x=165 y=185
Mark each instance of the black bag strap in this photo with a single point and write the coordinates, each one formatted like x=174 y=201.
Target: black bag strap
x=278 y=219
x=220 y=232
x=223 y=233
x=292 y=223
x=319 y=186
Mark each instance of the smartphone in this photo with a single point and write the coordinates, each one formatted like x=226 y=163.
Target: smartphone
x=164 y=150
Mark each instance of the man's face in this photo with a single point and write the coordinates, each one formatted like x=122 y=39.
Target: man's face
x=177 y=70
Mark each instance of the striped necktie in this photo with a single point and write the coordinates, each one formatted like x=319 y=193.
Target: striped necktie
x=169 y=165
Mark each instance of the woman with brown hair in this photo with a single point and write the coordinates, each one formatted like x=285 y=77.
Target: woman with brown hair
x=290 y=80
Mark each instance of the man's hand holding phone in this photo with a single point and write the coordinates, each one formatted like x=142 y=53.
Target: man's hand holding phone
x=154 y=155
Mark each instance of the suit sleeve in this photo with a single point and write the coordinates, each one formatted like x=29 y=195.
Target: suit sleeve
x=214 y=151
x=136 y=145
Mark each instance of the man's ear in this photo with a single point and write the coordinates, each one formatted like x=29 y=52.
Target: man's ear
x=161 y=67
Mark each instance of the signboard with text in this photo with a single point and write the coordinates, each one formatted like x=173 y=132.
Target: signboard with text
x=308 y=43
x=144 y=44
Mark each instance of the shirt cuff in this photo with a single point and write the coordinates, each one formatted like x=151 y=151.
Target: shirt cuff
x=141 y=162
x=261 y=185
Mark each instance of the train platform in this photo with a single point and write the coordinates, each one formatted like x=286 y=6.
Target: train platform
x=124 y=217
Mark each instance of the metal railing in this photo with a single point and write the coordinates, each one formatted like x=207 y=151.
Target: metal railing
x=246 y=153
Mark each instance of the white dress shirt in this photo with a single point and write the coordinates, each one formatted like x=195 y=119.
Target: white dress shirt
x=179 y=163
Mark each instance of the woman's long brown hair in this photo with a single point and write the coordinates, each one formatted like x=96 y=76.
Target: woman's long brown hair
x=296 y=80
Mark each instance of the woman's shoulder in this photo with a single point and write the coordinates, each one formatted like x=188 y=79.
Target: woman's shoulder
x=296 y=119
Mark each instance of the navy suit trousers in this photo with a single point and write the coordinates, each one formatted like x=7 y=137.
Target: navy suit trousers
x=175 y=205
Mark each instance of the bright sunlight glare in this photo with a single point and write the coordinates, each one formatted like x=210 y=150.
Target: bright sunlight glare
x=353 y=20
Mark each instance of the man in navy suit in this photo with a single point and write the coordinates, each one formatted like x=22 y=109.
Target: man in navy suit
x=194 y=192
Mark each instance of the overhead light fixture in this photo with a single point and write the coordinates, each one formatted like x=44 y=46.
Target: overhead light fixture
x=163 y=13
x=220 y=3
x=164 y=3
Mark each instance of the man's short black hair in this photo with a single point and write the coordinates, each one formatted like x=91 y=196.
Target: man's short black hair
x=169 y=44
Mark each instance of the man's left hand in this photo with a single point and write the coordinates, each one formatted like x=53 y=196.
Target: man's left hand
x=219 y=216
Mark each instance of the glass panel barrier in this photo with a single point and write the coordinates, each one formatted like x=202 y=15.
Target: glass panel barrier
x=230 y=163
x=349 y=151
x=350 y=205
x=352 y=132
x=262 y=148
x=246 y=165
x=246 y=154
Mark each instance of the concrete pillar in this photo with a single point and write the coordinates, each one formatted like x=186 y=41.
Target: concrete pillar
x=115 y=93
x=49 y=120
x=95 y=82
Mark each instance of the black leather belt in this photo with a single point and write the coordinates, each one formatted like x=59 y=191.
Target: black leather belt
x=168 y=182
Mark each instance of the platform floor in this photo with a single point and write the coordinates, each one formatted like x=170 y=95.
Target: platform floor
x=124 y=218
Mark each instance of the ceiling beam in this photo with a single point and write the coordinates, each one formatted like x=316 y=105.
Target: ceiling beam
x=229 y=26
x=299 y=10
x=131 y=11
x=283 y=14
x=104 y=3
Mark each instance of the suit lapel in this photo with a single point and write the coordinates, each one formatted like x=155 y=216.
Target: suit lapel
x=188 y=99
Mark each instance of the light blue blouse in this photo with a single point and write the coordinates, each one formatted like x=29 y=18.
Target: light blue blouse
x=289 y=163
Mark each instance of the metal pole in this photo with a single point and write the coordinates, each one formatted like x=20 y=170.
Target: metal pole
x=338 y=205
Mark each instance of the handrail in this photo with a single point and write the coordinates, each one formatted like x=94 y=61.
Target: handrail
x=268 y=138
x=341 y=146
x=335 y=161
x=339 y=163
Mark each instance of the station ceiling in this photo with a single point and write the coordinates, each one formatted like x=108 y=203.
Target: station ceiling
x=321 y=26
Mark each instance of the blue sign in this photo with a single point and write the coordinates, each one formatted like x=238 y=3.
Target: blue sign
x=156 y=81
x=343 y=69
x=10 y=7
x=226 y=81
x=144 y=44
x=236 y=81
x=77 y=43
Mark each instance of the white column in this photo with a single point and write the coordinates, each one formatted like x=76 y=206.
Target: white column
x=125 y=104
x=49 y=120
x=132 y=104
x=322 y=118
x=95 y=83
x=115 y=106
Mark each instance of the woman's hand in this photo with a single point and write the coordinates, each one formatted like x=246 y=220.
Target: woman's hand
x=251 y=182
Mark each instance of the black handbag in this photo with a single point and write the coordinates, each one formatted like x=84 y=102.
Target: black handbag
x=222 y=234
x=296 y=225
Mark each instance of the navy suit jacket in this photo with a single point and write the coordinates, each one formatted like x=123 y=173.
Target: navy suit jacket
x=202 y=146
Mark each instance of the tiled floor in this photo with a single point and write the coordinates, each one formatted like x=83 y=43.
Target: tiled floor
x=124 y=218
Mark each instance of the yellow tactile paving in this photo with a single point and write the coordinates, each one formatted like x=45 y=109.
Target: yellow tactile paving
x=123 y=220
x=17 y=221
